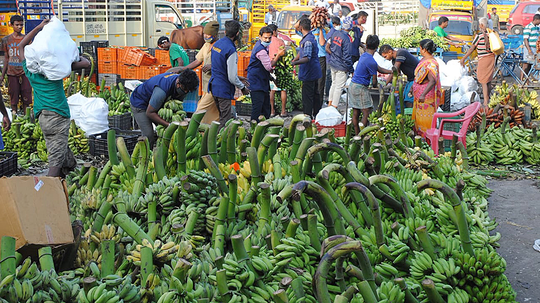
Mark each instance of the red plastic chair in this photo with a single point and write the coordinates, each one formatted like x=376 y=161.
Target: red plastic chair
x=433 y=134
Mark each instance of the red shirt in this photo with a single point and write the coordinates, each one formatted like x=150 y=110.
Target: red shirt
x=10 y=45
x=274 y=46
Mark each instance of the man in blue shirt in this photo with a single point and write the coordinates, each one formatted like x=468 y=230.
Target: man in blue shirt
x=339 y=48
x=310 y=69
x=258 y=73
x=320 y=36
x=225 y=72
x=356 y=33
x=366 y=72
x=405 y=62
x=149 y=97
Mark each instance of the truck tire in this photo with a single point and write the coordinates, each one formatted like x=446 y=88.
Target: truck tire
x=346 y=11
x=517 y=30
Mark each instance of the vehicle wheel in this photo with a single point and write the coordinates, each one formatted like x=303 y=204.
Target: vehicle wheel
x=517 y=30
x=346 y=11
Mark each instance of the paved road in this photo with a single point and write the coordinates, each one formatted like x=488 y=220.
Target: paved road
x=515 y=205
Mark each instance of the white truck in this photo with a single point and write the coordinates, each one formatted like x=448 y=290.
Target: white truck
x=121 y=22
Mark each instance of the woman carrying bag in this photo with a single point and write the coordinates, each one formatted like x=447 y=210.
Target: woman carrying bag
x=486 y=59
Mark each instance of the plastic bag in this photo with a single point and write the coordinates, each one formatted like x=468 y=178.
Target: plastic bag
x=455 y=70
x=52 y=51
x=329 y=116
x=495 y=43
x=467 y=84
x=455 y=98
x=442 y=67
x=90 y=114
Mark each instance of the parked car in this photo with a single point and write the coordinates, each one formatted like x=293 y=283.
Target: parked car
x=521 y=16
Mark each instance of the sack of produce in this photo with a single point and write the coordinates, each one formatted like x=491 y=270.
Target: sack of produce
x=329 y=116
x=52 y=51
x=467 y=84
x=90 y=114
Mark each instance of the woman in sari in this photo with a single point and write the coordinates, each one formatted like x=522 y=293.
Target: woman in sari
x=426 y=88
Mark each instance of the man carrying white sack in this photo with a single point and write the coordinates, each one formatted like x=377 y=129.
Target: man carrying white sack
x=52 y=110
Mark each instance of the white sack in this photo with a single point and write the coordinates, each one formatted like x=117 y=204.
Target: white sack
x=52 y=51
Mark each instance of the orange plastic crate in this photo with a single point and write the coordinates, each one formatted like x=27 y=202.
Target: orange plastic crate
x=162 y=57
x=137 y=57
x=131 y=72
x=107 y=54
x=107 y=67
x=151 y=71
x=340 y=129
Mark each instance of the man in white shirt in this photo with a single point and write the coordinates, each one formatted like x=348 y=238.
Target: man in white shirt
x=323 y=3
x=271 y=16
x=336 y=8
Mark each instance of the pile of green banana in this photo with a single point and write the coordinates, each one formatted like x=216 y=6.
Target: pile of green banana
x=77 y=141
x=412 y=36
x=504 y=146
x=172 y=110
x=296 y=216
x=116 y=97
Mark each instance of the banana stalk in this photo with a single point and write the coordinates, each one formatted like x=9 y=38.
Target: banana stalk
x=142 y=167
x=345 y=213
x=367 y=292
x=398 y=192
x=451 y=195
x=7 y=252
x=332 y=218
x=425 y=241
x=280 y=296
x=159 y=167
x=130 y=227
x=218 y=234
x=375 y=211
x=166 y=140
x=194 y=123
x=147 y=263
x=103 y=174
x=293 y=225
x=298 y=207
x=274 y=130
x=315 y=149
x=233 y=196
x=334 y=167
x=92 y=172
x=409 y=298
x=313 y=232
x=181 y=148
x=111 y=147
x=204 y=148
x=265 y=144
x=260 y=129
x=102 y=213
x=214 y=170
x=212 y=141
x=224 y=136
x=292 y=127
x=254 y=164
x=46 y=261
x=222 y=286
x=264 y=213
x=320 y=286
x=107 y=259
x=298 y=137
x=124 y=155
x=431 y=292
x=231 y=142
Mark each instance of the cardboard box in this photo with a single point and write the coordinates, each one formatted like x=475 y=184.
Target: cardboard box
x=35 y=211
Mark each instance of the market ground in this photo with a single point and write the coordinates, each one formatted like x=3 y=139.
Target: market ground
x=515 y=205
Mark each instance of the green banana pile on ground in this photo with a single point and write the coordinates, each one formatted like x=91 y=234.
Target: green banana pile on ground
x=116 y=97
x=26 y=138
x=412 y=36
x=504 y=145
x=267 y=213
